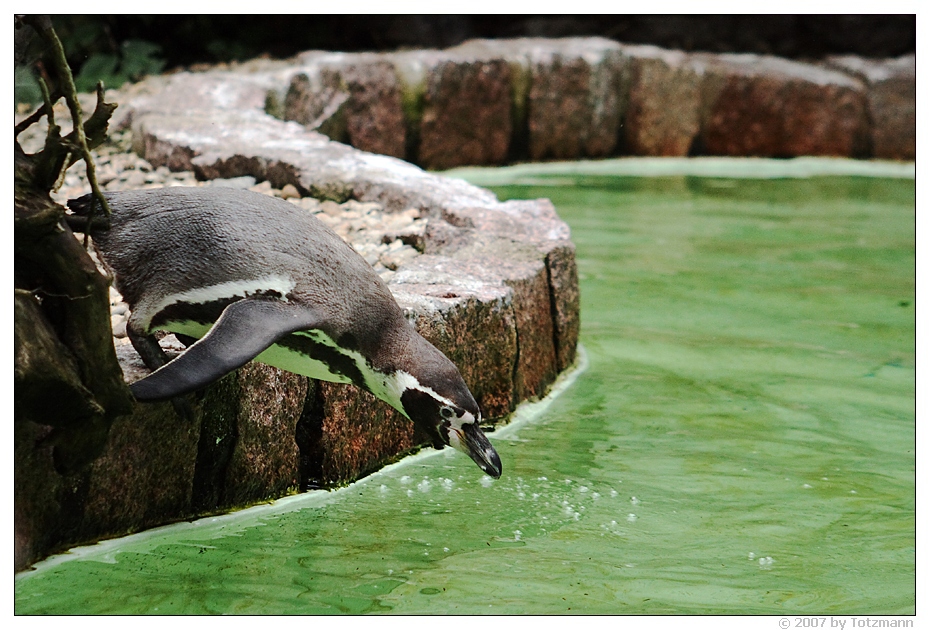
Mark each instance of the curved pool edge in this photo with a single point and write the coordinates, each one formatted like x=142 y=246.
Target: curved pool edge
x=724 y=167
x=227 y=524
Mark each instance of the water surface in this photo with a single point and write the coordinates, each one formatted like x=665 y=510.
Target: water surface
x=742 y=440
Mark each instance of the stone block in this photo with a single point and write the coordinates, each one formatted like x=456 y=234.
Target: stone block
x=754 y=105
x=892 y=100
x=350 y=433
x=536 y=366
x=459 y=108
x=664 y=102
x=566 y=301
x=574 y=102
x=265 y=461
x=525 y=230
x=467 y=313
x=350 y=98
x=145 y=475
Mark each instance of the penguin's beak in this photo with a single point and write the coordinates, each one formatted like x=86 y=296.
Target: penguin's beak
x=477 y=446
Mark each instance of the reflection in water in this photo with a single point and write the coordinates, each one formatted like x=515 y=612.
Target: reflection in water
x=741 y=442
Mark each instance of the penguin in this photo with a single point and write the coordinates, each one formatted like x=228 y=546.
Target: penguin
x=248 y=276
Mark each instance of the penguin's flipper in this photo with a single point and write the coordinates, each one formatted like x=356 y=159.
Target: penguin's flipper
x=241 y=333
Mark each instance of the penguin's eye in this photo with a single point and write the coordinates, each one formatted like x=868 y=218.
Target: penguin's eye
x=446 y=412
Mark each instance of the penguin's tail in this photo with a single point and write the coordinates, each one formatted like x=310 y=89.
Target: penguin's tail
x=86 y=210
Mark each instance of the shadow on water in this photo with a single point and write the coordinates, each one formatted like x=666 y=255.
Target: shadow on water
x=741 y=442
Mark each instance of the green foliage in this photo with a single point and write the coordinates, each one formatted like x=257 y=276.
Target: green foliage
x=26 y=87
x=94 y=53
x=135 y=59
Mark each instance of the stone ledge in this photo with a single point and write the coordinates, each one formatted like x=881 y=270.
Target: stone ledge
x=261 y=433
x=495 y=101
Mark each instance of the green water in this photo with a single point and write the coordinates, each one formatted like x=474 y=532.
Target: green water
x=742 y=440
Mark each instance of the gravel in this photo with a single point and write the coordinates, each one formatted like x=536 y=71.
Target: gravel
x=386 y=240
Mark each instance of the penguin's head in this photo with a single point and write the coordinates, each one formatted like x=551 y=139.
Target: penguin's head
x=451 y=423
x=435 y=397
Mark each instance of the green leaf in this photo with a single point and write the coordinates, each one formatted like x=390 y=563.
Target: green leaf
x=26 y=88
x=98 y=67
x=140 y=58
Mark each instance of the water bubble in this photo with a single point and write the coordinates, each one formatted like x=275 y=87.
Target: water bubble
x=536 y=495
x=405 y=479
x=595 y=495
x=383 y=488
x=516 y=534
x=766 y=562
x=541 y=479
x=751 y=555
x=852 y=492
x=631 y=517
x=613 y=493
x=824 y=479
x=583 y=489
x=446 y=549
x=409 y=493
x=446 y=484
x=486 y=481
x=613 y=523
x=634 y=500
x=807 y=485
x=423 y=486
x=566 y=481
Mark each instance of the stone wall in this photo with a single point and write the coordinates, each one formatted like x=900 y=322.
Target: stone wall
x=496 y=101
